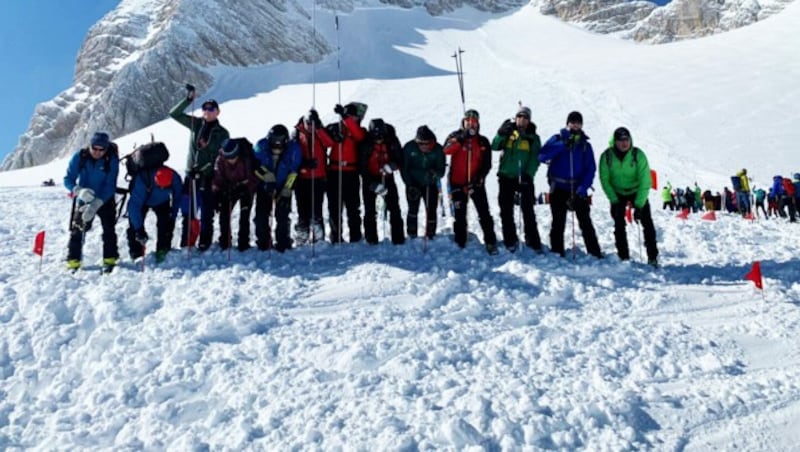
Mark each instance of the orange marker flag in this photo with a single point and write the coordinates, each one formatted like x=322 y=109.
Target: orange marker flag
x=755 y=275
x=654 y=179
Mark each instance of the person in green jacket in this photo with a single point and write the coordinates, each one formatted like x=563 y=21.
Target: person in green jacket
x=520 y=144
x=207 y=136
x=625 y=177
x=666 y=196
x=422 y=171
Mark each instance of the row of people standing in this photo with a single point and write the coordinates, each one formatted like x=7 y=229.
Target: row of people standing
x=345 y=162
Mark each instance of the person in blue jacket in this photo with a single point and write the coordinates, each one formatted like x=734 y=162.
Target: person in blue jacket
x=278 y=159
x=570 y=173
x=160 y=190
x=92 y=181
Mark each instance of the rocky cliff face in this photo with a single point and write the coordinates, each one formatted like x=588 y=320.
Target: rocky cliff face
x=135 y=60
x=646 y=22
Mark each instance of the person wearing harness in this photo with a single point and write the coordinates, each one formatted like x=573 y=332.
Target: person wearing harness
x=571 y=170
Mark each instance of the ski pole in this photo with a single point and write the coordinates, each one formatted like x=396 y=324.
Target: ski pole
x=460 y=75
x=427 y=220
x=573 y=198
x=519 y=187
x=230 y=226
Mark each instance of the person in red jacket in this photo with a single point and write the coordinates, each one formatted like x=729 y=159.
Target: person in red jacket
x=311 y=182
x=343 y=181
x=470 y=161
x=234 y=181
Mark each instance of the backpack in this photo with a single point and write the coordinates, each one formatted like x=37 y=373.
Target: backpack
x=788 y=187
x=736 y=181
x=150 y=156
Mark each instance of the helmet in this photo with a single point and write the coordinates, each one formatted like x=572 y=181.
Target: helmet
x=278 y=136
x=796 y=176
x=377 y=128
x=230 y=148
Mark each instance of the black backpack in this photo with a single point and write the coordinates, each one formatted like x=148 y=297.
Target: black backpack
x=150 y=156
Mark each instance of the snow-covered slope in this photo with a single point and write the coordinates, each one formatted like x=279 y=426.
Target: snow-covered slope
x=390 y=348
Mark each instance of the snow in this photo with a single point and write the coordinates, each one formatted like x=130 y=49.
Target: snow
x=392 y=348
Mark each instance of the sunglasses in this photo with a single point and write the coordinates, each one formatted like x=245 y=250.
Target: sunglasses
x=98 y=149
x=425 y=143
x=524 y=116
x=210 y=108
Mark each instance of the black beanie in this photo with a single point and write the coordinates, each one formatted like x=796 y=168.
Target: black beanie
x=621 y=133
x=425 y=134
x=575 y=116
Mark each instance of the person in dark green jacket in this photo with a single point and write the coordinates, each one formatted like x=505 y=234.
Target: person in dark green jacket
x=422 y=171
x=520 y=144
x=625 y=177
x=207 y=136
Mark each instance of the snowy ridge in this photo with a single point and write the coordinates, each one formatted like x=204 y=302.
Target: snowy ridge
x=389 y=348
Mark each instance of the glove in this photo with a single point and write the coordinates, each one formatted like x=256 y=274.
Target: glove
x=84 y=194
x=310 y=163
x=379 y=189
x=314 y=116
x=338 y=109
x=141 y=236
x=190 y=92
x=387 y=169
x=526 y=179
x=517 y=198
x=507 y=128
x=571 y=202
x=90 y=210
x=637 y=215
x=285 y=192
x=240 y=190
x=263 y=173
x=350 y=110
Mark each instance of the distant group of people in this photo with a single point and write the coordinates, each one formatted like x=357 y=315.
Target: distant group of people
x=349 y=164
x=780 y=200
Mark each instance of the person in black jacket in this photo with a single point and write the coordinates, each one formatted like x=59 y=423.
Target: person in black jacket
x=380 y=155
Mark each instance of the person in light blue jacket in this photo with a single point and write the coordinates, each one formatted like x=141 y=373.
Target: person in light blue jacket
x=570 y=173
x=92 y=181
x=160 y=190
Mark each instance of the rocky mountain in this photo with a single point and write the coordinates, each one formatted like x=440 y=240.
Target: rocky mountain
x=135 y=60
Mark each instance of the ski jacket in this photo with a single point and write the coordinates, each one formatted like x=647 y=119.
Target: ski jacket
x=470 y=158
x=344 y=155
x=520 y=152
x=288 y=162
x=100 y=175
x=557 y=152
x=144 y=192
x=777 y=186
x=666 y=193
x=313 y=161
x=625 y=174
x=422 y=168
x=760 y=195
x=206 y=140
x=373 y=156
x=229 y=174
x=744 y=183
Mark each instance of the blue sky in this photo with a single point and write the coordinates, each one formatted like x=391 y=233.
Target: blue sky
x=39 y=40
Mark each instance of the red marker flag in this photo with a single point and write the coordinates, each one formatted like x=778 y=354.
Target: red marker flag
x=38 y=244
x=755 y=275
x=683 y=215
x=628 y=214
x=711 y=216
x=654 y=179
